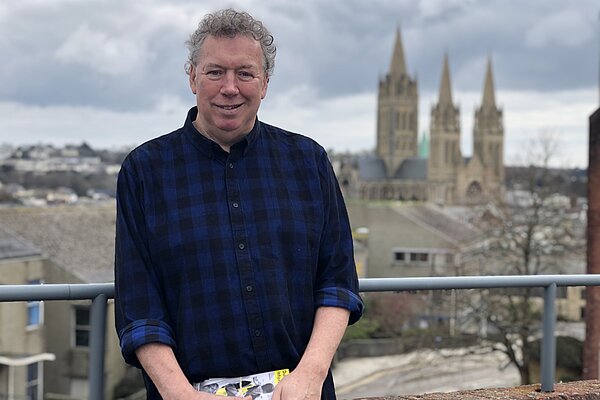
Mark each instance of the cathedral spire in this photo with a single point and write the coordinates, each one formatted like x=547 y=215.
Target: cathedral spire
x=489 y=98
x=445 y=87
x=398 y=65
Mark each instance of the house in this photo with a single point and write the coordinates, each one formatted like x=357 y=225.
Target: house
x=44 y=346
x=414 y=240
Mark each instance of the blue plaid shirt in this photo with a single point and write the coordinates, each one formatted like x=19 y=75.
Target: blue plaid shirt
x=226 y=256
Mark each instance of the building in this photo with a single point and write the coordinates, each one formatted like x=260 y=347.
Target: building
x=414 y=240
x=44 y=346
x=398 y=171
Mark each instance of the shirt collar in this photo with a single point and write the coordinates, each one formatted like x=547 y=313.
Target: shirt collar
x=209 y=147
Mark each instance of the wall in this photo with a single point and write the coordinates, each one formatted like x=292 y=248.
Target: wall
x=580 y=390
x=389 y=229
x=15 y=337
x=54 y=336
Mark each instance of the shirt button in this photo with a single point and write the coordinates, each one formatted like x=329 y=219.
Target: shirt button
x=257 y=333
x=231 y=165
x=235 y=205
x=241 y=246
x=249 y=288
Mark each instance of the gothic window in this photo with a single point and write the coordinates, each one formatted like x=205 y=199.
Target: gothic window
x=446 y=152
x=435 y=155
x=453 y=156
x=474 y=193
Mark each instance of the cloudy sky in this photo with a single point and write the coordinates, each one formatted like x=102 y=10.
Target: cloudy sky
x=110 y=72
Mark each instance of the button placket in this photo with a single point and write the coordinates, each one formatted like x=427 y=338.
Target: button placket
x=244 y=263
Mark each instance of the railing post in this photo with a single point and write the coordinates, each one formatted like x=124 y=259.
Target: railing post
x=548 y=356
x=97 y=346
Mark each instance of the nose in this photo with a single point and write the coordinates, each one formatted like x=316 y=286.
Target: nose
x=229 y=85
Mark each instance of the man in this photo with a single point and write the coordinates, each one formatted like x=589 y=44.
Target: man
x=233 y=248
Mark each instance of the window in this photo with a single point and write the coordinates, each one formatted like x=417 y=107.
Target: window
x=419 y=257
x=35 y=309
x=82 y=327
x=33 y=381
x=399 y=256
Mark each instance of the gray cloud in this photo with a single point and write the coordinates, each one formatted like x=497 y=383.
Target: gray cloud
x=117 y=64
x=123 y=55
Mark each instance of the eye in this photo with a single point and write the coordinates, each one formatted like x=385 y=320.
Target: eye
x=245 y=76
x=214 y=73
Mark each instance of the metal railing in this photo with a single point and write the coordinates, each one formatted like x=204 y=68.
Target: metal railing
x=100 y=293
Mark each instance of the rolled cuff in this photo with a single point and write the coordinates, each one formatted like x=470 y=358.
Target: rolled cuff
x=141 y=332
x=343 y=298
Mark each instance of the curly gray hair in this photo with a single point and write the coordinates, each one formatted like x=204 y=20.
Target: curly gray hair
x=229 y=23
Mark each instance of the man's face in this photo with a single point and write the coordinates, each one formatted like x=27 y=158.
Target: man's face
x=229 y=83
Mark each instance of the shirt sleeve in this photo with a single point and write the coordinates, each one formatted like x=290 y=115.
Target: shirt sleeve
x=140 y=315
x=337 y=280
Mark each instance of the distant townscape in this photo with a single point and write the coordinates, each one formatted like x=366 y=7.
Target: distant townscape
x=43 y=174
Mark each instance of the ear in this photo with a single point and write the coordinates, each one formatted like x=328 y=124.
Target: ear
x=193 y=85
x=263 y=93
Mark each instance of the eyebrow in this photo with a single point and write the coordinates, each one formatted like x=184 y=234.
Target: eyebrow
x=244 y=66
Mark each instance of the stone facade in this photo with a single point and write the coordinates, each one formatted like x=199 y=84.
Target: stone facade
x=397 y=171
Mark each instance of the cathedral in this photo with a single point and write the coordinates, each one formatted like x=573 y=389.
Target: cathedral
x=397 y=171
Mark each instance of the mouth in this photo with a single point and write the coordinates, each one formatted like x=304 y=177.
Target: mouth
x=229 y=107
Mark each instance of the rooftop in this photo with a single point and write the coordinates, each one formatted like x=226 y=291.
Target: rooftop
x=81 y=239
x=12 y=246
x=441 y=222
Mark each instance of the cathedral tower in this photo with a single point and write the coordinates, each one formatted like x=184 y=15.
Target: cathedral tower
x=444 y=149
x=488 y=134
x=398 y=111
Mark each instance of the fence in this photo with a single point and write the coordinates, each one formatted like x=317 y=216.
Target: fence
x=100 y=293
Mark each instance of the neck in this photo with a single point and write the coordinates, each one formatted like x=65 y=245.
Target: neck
x=207 y=135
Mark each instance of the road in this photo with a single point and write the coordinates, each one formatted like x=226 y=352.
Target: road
x=421 y=372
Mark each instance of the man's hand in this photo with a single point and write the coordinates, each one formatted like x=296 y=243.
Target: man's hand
x=300 y=384
x=160 y=364
x=305 y=382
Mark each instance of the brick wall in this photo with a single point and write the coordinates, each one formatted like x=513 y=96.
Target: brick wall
x=580 y=390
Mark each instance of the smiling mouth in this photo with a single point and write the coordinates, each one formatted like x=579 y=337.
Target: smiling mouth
x=231 y=107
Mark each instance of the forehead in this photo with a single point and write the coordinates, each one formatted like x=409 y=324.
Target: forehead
x=231 y=51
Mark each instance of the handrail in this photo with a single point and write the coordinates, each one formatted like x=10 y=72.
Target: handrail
x=99 y=293
x=475 y=282
x=79 y=291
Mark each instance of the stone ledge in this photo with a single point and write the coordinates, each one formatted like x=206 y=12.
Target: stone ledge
x=579 y=390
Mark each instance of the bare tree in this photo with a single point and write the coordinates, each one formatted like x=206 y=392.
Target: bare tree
x=528 y=234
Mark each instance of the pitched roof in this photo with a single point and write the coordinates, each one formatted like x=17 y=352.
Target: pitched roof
x=441 y=222
x=371 y=168
x=414 y=168
x=13 y=246
x=78 y=238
